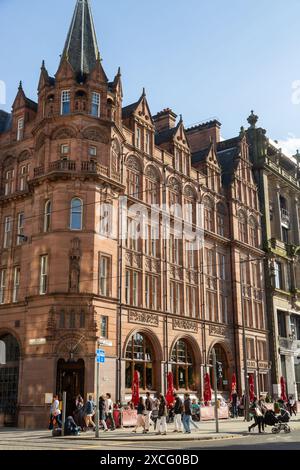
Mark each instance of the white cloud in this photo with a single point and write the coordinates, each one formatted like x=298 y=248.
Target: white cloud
x=290 y=145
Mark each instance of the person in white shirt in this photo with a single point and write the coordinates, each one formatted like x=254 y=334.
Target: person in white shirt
x=109 y=409
x=55 y=412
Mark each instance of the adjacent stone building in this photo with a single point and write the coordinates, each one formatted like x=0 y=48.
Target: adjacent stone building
x=278 y=180
x=152 y=303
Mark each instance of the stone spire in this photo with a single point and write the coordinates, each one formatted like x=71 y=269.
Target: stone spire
x=81 y=48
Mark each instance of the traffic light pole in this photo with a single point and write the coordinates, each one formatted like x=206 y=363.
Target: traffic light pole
x=216 y=389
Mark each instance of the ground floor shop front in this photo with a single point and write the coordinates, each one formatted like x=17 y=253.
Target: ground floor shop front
x=152 y=345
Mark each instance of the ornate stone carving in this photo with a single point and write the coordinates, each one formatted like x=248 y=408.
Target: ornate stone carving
x=152 y=173
x=96 y=135
x=143 y=318
x=133 y=163
x=189 y=192
x=175 y=185
x=64 y=133
x=185 y=325
x=74 y=273
x=24 y=156
x=217 y=330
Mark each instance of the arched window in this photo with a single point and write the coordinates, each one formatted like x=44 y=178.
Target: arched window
x=221 y=220
x=242 y=227
x=183 y=366
x=152 y=189
x=116 y=159
x=47 y=216
x=223 y=382
x=209 y=218
x=9 y=378
x=76 y=214
x=253 y=232
x=139 y=357
x=134 y=177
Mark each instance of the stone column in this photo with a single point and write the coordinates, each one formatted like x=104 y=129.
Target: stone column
x=277 y=214
x=296 y=222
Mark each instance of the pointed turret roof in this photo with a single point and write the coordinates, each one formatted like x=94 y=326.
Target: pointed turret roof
x=81 y=48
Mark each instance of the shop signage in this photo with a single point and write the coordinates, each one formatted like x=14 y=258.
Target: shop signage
x=216 y=330
x=185 y=325
x=105 y=342
x=263 y=365
x=37 y=341
x=252 y=364
x=143 y=318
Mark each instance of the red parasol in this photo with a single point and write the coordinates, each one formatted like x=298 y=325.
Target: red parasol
x=283 y=389
x=207 y=388
x=171 y=390
x=233 y=385
x=136 y=388
x=251 y=387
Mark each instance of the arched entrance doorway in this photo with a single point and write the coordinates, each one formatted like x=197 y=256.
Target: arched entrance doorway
x=183 y=366
x=224 y=380
x=9 y=381
x=140 y=357
x=70 y=379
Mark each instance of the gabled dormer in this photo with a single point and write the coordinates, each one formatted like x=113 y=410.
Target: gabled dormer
x=137 y=117
x=206 y=161
x=24 y=111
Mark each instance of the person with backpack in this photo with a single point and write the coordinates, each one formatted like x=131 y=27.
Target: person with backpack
x=89 y=413
x=148 y=412
x=162 y=416
x=109 y=409
x=178 y=410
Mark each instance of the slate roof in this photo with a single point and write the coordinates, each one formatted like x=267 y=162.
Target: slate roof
x=165 y=136
x=200 y=155
x=228 y=159
x=128 y=110
x=81 y=48
x=5 y=121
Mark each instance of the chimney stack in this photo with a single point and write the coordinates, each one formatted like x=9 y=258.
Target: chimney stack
x=164 y=120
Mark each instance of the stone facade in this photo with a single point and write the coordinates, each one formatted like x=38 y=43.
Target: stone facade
x=153 y=305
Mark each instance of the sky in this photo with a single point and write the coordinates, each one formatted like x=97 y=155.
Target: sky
x=204 y=59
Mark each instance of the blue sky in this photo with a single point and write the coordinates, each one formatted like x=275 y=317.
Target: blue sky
x=201 y=58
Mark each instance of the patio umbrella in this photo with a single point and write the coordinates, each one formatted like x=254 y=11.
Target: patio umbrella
x=207 y=388
x=233 y=385
x=136 y=388
x=171 y=390
x=283 y=389
x=251 y=387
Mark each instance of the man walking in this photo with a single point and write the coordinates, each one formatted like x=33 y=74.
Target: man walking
x=178 y=408
x=149 y=408
x=109 y=409
x=187 y=414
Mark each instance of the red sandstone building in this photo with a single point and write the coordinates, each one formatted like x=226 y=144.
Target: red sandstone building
x=153 y=305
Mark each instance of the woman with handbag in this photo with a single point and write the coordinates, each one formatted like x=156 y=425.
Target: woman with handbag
x=256 y=411
x=55 y=413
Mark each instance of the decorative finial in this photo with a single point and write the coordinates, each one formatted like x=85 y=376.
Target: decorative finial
x=242 y=132
x=252 y=119
x=144 y=92
x=20 y=85
x=43 y=64
x=119 y=71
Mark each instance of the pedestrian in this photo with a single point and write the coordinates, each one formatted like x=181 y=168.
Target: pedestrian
x=110 y=411
x=148 y=412
x=55 y=413
x=162 y=416
x=257 y=412
x=79 y=413
x=187 y=414
x=234 y=400
x=178 y=410
x=102 y=413
x=89 y=413
x=141 y=411
x=154 y=414
x=291 y=406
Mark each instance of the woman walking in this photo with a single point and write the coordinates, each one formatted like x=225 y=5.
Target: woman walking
x=256 y=410
x=141 y=410
x=162 y=416
x=102 y=413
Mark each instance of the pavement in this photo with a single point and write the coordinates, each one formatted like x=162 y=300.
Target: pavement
x=233 y=435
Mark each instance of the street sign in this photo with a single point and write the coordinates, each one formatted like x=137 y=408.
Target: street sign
x=100 y=356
